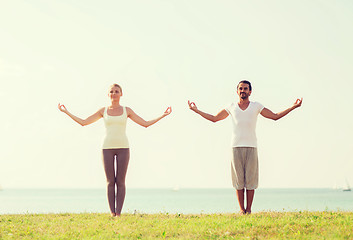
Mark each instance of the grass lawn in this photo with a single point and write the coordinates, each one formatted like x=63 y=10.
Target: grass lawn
x=264 y=225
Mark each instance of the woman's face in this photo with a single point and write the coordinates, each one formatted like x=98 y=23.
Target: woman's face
x=115 y=93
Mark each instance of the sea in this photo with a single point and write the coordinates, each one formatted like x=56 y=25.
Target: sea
x=173 y=201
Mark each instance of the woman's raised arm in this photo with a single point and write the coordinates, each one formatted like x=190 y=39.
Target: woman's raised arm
x=139 y=120
x=83 y=122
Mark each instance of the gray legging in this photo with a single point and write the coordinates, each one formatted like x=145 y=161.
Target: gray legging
x=121 y=157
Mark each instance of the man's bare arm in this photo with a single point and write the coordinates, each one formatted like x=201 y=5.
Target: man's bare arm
x=275 y=116
x=223 y=114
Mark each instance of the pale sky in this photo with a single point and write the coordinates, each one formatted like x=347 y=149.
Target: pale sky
x=164 y=53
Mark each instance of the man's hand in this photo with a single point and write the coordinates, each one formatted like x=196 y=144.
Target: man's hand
x=62 y=108
x=192 y=106
x=275 y=116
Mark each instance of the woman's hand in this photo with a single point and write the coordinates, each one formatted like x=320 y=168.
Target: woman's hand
x=167 y=112
x=62 y=108
x=298 y=103
x=140 y=121
x=192 y=106
x=83 y=122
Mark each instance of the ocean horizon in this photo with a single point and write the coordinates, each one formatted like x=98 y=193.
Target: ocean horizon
x=164 y=200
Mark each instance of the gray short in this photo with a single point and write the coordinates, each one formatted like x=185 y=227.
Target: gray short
x=245 y=168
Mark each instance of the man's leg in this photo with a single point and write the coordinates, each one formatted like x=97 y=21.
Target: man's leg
x=252 y=176
x=240 y=196
x=249 y=199
x=237 y=171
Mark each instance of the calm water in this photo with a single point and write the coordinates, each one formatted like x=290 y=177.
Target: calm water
x=13 y=201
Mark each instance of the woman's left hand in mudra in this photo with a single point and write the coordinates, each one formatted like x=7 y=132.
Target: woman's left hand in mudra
x=168 y=111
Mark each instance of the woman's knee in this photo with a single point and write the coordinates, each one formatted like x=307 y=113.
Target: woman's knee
x=120 y=183
x=110 y=183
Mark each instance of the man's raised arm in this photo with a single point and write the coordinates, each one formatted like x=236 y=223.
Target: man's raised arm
x=223 y=114
x=275 y=116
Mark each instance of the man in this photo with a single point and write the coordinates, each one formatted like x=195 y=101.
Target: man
x=245 y=161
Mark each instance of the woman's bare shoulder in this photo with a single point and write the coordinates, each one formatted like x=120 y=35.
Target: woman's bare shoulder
x=101 y=111
x=128 y=110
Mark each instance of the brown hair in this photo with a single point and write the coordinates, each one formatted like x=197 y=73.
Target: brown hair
x=116 y=85
x=246 y=82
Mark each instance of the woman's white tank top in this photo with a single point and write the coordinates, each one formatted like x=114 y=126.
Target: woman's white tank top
x=115 y=136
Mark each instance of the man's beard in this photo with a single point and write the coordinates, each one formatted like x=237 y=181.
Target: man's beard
x=244 y=96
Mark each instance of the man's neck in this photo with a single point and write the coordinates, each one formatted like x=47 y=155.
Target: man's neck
x=243 y=101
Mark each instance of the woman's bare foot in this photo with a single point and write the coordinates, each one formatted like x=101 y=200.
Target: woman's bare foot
x=242 y=212
x=113 y=214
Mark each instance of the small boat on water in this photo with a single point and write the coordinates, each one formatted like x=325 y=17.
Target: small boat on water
x=347 y=188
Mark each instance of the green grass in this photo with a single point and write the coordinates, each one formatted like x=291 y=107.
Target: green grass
x=266 y=225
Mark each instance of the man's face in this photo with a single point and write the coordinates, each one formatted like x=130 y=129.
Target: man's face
x=243 y=91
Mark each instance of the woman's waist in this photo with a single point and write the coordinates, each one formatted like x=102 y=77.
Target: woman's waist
x=115 y=131
x=114 y=128
x=115 y=136
x=115 y=143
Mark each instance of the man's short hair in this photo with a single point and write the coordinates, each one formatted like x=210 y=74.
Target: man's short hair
x=246 y=82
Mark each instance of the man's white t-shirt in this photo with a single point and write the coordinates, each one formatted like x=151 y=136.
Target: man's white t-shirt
x=244 y=124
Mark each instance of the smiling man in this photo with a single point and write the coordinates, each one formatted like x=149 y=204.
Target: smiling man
x=245 y=173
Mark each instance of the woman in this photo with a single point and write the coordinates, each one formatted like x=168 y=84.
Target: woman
x=116 y=145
